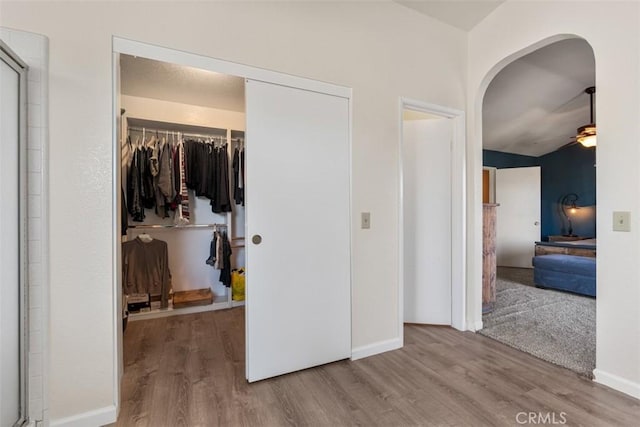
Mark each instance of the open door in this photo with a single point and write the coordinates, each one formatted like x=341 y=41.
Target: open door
x=518 y=221
x=298 y=229
x=426 y=161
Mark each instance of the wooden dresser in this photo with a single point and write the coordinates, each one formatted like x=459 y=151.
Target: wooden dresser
x=561 y=238
x=488 y=256
x=543 y=248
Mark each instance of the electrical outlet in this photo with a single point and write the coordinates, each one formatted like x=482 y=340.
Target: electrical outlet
x=365 y=221
x=622 y=221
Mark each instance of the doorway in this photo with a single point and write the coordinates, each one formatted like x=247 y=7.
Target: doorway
x=13 y=332
x=431 y=215
x=545 y=185
x=518 y=216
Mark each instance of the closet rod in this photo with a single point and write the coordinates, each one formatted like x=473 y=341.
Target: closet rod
x=178 y=226
x=164 y=131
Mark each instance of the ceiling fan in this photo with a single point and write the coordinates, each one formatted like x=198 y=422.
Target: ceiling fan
x=586 y=134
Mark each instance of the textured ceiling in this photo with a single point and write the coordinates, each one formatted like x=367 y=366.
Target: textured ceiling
x=169 y=82
x=536 y=103
x=463 y=14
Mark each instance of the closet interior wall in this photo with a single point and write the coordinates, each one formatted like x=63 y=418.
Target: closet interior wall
x=188 y=247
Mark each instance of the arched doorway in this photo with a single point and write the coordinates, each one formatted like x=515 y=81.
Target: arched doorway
x=530 y=104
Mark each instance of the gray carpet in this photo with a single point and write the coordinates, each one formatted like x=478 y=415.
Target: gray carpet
x=555 y=326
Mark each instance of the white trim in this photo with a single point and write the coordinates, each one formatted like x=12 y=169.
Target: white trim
x=116 y=249
x=99 y=417
x=376 y=348
x=458 y=211
x=130 y=47
x=617 y=383
x=401 y=223
x=351 y=216
x=474 y=326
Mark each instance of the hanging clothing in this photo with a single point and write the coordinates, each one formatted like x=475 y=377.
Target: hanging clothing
x=243 y=178
x=219 y=264
x=220 y=256
x=163 y=181
x=145 y=268
x=207 y=173
x=181 y=201
x=213 y=253
x=124 y=223
x=221 y=202
x=225 y=271
x=147 y=191
x=161 y=173
x=238 y=179
x=135 y=186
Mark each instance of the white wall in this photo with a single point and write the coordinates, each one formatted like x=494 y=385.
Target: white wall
x=33 y=50
x=175 y=112
x=612 y=29
x=380 y=49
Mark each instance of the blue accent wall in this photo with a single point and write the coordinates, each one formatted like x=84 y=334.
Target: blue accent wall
x=569 y=170
x=500 y=160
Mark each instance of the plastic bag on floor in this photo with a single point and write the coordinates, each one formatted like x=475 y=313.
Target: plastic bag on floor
x=237 y=284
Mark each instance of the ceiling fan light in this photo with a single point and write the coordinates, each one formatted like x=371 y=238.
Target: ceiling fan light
x=587 y=135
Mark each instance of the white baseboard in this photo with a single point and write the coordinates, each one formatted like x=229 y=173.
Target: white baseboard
x=474 y=326
x=375 y=348
x=617 y=383
x=167 y=312
x=99 y=417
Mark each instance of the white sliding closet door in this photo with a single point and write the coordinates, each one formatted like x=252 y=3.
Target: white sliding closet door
x=297 y=201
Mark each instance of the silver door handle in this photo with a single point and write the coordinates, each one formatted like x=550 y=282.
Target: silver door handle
x=256 y=239
x=536 y=223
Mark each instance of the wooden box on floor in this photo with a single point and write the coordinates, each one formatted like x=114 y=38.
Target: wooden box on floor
x=192 y=298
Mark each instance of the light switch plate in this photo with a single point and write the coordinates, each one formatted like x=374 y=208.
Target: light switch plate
x=622 y=221
x=365 y=221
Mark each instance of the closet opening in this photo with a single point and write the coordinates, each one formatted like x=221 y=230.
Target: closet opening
x=219 y=167
x=182 y=180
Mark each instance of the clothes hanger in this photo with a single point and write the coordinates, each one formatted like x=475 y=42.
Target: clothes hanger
x=152 y=142
x=145 y=237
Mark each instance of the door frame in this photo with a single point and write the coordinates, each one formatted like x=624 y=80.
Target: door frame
x=130 y=47
x=492 y=182
x=14 y=61
x=458 y=210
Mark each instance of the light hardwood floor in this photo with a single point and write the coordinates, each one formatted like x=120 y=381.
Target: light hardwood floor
x=189 y=371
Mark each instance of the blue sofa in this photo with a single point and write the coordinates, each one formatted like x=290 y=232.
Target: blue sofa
x=570 y=273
